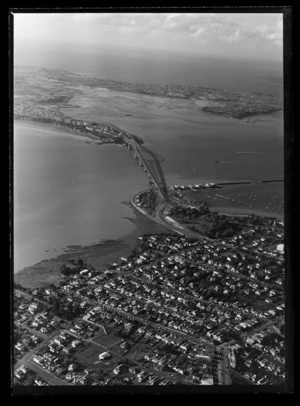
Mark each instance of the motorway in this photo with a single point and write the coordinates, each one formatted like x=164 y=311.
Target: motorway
x=152 y=167
x=159 y=217
x=158 y=178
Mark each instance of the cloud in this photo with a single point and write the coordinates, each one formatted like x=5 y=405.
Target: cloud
x=231 y=28
x=194 y=32
x=234 y=37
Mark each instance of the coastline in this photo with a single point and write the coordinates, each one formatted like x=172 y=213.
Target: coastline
x=101 y=253
x=98 y=255
x=234 y=211
x=60 y=130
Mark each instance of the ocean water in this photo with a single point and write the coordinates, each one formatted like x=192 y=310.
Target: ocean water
x=68 y=192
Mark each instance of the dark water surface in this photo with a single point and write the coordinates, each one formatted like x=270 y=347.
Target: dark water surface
x=68 y=192
x=188 y=140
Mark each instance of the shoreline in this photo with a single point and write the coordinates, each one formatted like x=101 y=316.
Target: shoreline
x=97 y=254
x=104 y=252
x=60 y=130
x=235 y=211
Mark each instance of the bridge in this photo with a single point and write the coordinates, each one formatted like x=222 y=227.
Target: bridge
x=150 y=163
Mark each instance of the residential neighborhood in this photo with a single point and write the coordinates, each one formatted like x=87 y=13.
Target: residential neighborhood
x=157 y=316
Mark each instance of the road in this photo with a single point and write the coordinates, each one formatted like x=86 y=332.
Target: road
x=148 y=369
x=45 y=374
x=29 y=354
x=157 y=178
x=159 y=217
x=160 y=182
x=29 y=363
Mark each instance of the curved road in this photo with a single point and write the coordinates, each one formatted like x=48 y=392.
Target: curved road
x=159 y=215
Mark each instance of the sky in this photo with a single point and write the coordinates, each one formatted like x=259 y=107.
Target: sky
x=257 y=36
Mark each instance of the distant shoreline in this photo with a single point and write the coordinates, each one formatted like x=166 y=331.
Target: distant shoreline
x=60 y=130
x=234 y=211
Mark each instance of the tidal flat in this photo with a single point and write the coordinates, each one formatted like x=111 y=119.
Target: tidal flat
x=99 y=255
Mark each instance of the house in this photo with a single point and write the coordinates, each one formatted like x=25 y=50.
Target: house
x=141 y=376
x=66 y=350
x=20 y=371
x=75 y=343
x=119 y=369
x=32 y=308
x=280 y=248
x=72 y=367
x=104 y=355
x=19 y=346
x=37 y=359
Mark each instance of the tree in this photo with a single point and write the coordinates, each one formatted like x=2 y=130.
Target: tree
x=55 y=306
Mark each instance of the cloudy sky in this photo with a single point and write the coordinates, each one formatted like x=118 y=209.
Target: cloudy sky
x=231 y=35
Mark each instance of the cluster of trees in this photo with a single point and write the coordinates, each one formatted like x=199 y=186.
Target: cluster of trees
x=169 y=349
x=223 y=227
x=216 y=227
x=148 y=200
x=65 y=311
x=27 y=380
x=188 y=212
x=74 y=268
x=19 y=287
x=271 y=339
x=17 y=336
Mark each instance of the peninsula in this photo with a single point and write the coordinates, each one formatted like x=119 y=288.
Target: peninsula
x=200 y=301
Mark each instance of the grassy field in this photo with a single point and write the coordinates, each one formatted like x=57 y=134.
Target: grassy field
x=100 y=333
x=138 y=351
x=108 y=341
x=89 y=357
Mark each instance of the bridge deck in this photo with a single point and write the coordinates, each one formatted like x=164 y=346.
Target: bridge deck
x=152 y=165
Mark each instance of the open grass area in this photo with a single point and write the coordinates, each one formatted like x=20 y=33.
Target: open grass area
x=138 y=351
x=89 y=357
x=89 y=354
x=100 y=333
x=108 y=341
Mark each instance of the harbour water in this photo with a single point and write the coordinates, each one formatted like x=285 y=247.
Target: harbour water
x=69 y=192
